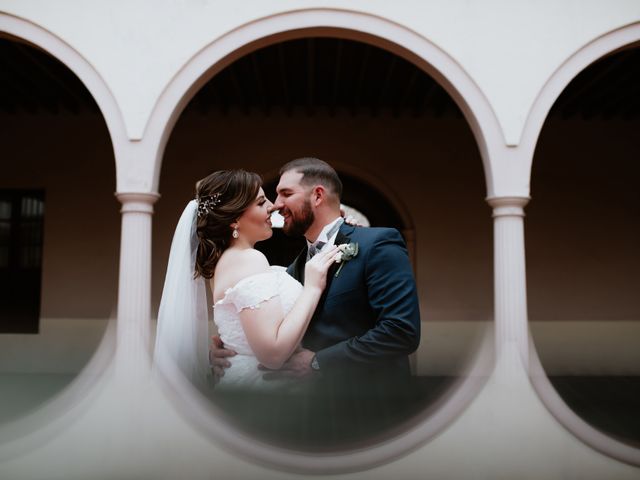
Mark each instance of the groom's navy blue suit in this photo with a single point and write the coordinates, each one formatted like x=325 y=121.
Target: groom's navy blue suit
x=368 y=318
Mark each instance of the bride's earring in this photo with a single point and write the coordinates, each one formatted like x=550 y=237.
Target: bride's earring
x=235 y=233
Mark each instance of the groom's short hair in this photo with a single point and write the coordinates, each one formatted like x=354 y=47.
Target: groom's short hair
x=315 y=171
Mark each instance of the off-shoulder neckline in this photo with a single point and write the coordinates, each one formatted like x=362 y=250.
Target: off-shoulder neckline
x=230 y=289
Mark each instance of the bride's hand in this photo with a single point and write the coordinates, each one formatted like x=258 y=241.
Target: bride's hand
x=315 y=271
x=350 y=219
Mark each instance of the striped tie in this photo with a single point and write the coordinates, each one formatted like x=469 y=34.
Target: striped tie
x=313 y=249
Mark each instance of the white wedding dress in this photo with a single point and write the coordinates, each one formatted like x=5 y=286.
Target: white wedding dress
x=182 y=338
x=250 y=292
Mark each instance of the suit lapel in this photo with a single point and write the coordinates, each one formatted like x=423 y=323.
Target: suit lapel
x=298 y=266
x=343 y=235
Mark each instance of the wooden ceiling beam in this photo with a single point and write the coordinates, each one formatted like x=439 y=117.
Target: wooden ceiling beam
x=20 y=96
x=407 y=91
x=311 y=67
x=27 y=90
x=603 y=93
x=336 y=78
x=622 y=99
x=264 y=98
x=361 y=76
x=73 y=102
x=424 y=96
x=283 y=79
x=235 y=83
x=382 y=92
x=440 y=102
x=569 y=101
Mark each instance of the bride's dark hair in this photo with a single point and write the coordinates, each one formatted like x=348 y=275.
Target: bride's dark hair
x=222 y=198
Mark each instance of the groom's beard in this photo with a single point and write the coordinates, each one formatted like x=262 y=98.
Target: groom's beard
x=300 y=222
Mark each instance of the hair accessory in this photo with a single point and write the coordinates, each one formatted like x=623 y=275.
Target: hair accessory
x=207 y=203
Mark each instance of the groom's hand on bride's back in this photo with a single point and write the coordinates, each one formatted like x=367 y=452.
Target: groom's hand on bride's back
x=298 y=366
x=218 y=357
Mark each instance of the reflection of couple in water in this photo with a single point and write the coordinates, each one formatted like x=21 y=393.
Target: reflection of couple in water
x=346 y=309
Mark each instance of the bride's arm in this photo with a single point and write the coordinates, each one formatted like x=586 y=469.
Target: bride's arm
x=273 y=337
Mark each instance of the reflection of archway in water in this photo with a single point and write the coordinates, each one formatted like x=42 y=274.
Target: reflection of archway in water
x=582 y=278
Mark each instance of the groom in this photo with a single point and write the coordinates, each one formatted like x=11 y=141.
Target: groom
x=367 y=321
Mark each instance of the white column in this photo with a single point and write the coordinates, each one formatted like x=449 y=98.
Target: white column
x=134 y=288
x=510 y=288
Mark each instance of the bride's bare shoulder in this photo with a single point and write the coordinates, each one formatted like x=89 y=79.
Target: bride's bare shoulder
x=234 y=265
x=247 y=258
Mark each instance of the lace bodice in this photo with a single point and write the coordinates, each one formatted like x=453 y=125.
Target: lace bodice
x=250 y=292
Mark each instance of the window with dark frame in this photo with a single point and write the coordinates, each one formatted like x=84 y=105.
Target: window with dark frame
x=21 y=240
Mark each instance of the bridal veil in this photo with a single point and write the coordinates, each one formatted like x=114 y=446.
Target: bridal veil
x=182 y=338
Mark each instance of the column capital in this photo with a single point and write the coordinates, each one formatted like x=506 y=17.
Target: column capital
x=139 y=202
x=508 y=206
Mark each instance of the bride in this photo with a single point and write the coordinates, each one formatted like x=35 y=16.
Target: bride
x=261 y=312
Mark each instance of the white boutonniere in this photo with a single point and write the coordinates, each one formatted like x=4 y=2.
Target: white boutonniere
x=346 y=252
